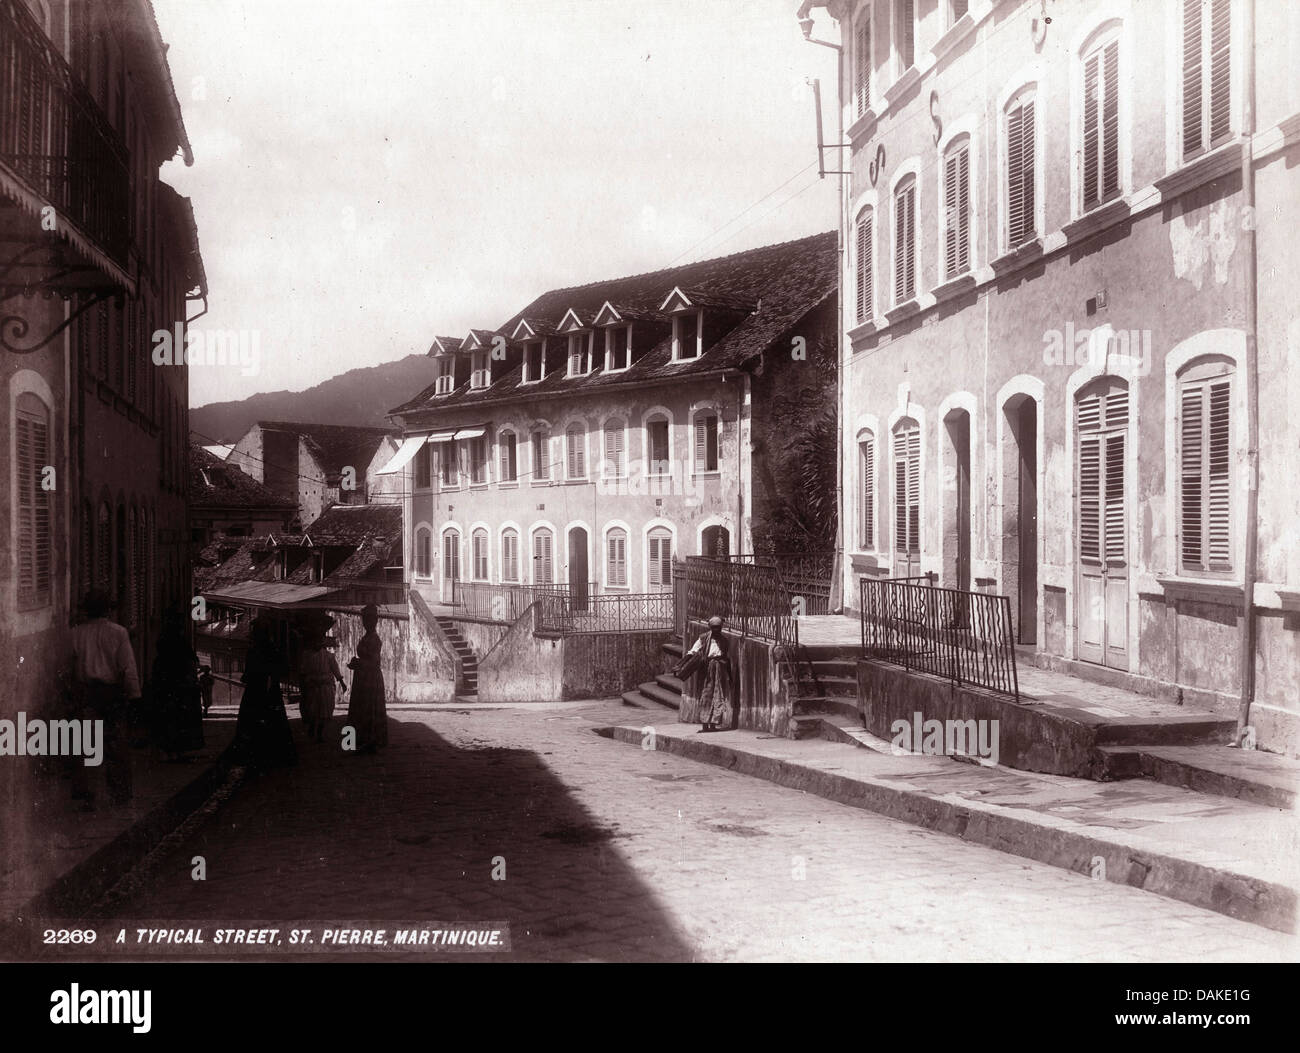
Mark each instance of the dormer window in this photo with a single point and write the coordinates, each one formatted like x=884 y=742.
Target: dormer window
x=580 y=345
x=481 y=370
x=618 y=348
x=446 y=375
x=534 y=361
x=687 y=327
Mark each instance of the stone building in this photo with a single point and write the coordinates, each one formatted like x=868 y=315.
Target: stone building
x=1068 y=295
x=227 y=502
x=318 y=465
x=605 y=430
x=98 y=254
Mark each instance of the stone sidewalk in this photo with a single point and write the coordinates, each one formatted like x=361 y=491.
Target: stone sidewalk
x=53 y=850
x=1235 y=857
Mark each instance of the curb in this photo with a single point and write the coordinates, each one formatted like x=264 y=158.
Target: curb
x=1238 y=896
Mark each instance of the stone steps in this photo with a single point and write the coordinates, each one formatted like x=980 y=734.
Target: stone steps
x=467 y=680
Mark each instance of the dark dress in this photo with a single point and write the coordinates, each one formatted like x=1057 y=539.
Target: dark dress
x=262 y=736
x=715 y=708
x=366 y=711
x=177 y=702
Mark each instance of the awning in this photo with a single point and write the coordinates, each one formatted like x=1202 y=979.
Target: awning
x=442 y=436
x=275 y=594
x=404 y=453
x=471 y=433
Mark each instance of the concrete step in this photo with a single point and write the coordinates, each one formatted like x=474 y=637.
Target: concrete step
x=670 y=682
x=1225 y=771
x=673 y=648
x=827 y=705
x=839 y=686
x=839 y=667
x=637 y=700
x=657 y=693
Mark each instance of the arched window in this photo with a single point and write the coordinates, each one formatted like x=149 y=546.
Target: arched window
x=424 y=553
x=863 y=242
x=1019 y=167
x=615 y=466
x=907 y=496
x=905 y=240
x=541 y=456
x=31 y=456
x=867 y=455
x=508 y=455
x=1099 y=161
x=706 y=432
x=659 y=558
x=510 y=555
x=479 y=553
x=543 y=557
x=715 y=541
x=1205 y=473
x=575 y=439
x=616 y=558
x=956 y=208
x=451 y=555
x=658 y=445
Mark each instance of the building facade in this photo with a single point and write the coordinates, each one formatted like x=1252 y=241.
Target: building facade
x=97 y=254
x=1068 y=328
x=606 y=430
x=318 y=465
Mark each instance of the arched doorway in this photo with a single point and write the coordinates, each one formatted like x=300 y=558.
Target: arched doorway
x=1101 y=514
x=1020 y=514
x=715 y=541
x=578 y=569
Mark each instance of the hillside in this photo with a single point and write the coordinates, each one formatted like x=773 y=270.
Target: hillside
x=359 y=396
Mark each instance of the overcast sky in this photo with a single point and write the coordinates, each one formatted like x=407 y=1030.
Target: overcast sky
x=369 y=174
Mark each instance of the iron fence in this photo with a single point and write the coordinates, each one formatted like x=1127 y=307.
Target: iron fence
x=56 y=138
x=805 y=575
x=610 y=612
x=483 y=601
x=965 y=637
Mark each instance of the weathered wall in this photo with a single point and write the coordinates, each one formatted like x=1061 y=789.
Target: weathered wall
x=393 y=654
x=481 y=636
x=604 y=665
x=523 y=667
x=431 y=664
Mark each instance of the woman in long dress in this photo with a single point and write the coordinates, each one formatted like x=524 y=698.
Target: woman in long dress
x=262 y=736
x=174 y=689
x=317 y=674
x=366 y=711
x=715 y=693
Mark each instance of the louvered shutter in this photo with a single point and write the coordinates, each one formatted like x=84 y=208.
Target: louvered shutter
x=1220 y=70
x=1205 y=448
x=542 y=557
x=1110 y=122
x=1020 y=173
x=451 y=557
x=1218 y=504
x=1192 y=482
x=617 y=543
x=1091 y=128
x=905 y=243
x=1114 y=497
x=862 y=64
x=956 y=176
x=868 y=452
x=864 y=267
x=907 y=489
x=577 y=460
x=613 y=450
x=701 y=444
x=1192 y=74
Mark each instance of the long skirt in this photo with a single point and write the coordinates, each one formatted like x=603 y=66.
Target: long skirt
x=366 y=710
x=715 y=694
x=316 y=701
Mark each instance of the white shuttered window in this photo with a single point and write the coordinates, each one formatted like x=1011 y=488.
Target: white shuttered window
x=1205 y=469
x=1207 y=75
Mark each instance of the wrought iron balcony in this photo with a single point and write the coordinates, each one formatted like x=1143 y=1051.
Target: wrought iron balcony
x=57 y=147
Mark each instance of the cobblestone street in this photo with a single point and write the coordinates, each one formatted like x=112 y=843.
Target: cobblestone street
x=617 y=853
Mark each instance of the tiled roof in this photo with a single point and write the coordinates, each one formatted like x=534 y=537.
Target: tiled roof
x=353 y=524
x=781 y=283
x=335 y=446
x=215 y=483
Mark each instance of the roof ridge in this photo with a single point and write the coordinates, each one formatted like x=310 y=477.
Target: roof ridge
x=679 y=266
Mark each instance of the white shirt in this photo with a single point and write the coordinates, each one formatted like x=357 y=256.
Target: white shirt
x=102 y=651
x=714 y=651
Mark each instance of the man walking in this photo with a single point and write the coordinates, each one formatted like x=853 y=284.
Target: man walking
x=105 y=681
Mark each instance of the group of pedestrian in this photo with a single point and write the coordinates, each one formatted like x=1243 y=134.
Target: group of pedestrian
x=262 y=736
x=102 y=683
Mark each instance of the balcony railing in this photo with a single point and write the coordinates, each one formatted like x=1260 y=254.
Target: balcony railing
x=610 y=612
x=962 y=636
x=805 y=575
x=483 y=601
x=56 y=139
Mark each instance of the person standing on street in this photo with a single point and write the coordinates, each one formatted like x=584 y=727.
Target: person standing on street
x=105 y=682
x=712 y=651
x=366 y=711
x=317 y=674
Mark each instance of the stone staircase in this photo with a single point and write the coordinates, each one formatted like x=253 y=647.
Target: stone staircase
x=467 y=677
x=826 y=685
x=664 y=690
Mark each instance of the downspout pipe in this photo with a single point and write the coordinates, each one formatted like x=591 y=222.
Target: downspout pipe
x=1251 y=519
x=837 y=567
